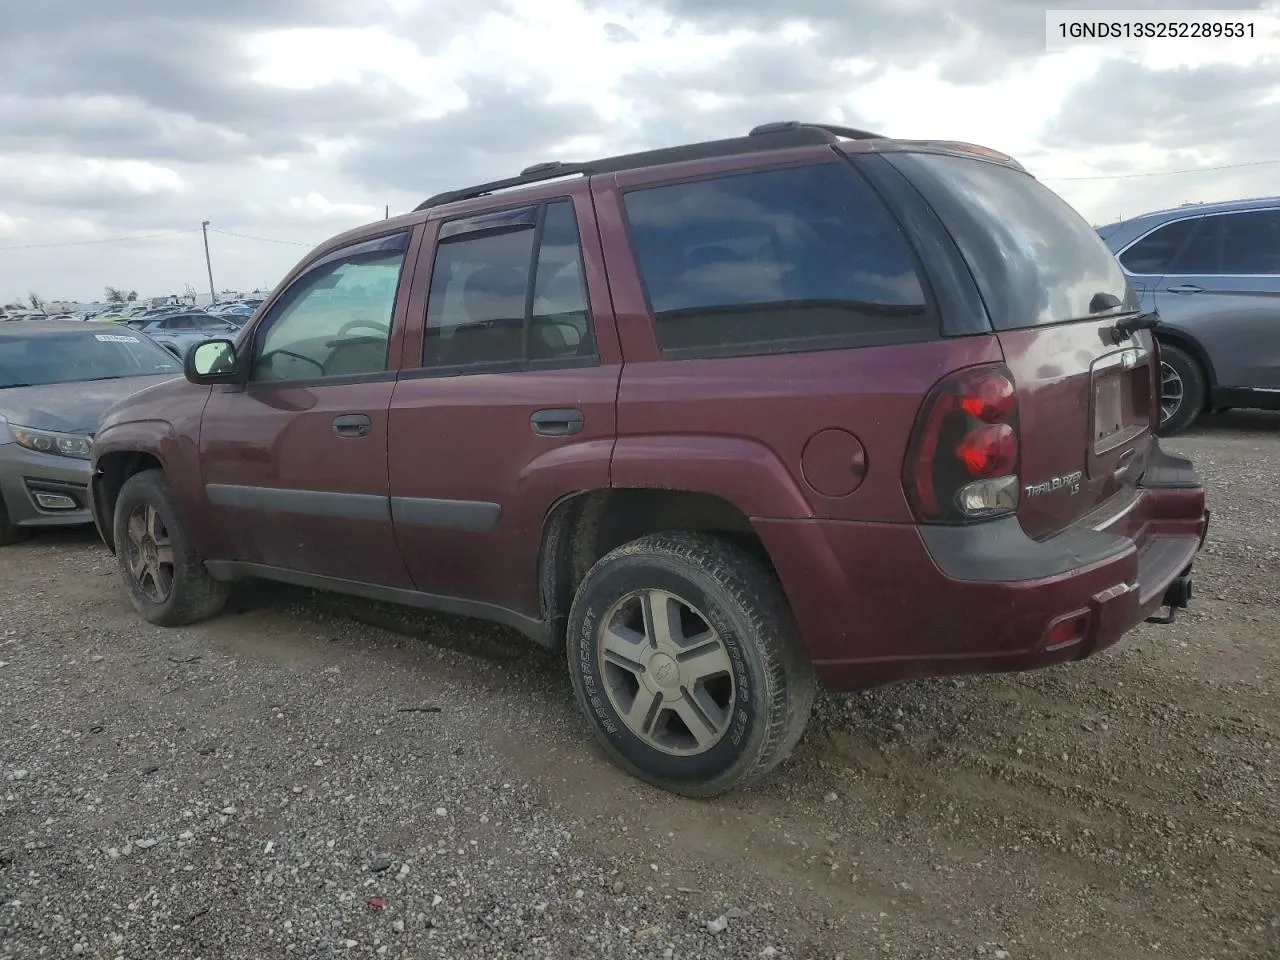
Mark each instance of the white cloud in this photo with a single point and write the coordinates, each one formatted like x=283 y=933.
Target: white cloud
x=289 y=121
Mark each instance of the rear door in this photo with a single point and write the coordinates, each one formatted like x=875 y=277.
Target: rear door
x=1054 y=293
x=507 y=402
x=1224 y=289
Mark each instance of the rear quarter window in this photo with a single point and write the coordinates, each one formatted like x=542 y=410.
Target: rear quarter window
x=788 y=260
x=1035 y=259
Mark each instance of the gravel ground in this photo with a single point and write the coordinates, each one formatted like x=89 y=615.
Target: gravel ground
x=315 y=777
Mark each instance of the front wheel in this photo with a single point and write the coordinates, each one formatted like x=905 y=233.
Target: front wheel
x=166 y=579
x=684 y=658
x=10 y=533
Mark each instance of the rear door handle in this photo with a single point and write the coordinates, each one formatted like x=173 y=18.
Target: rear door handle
x=352 y=425
x=1185 y=288
x=556 y=423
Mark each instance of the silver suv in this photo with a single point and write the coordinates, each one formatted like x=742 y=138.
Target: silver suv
x=1212 y=270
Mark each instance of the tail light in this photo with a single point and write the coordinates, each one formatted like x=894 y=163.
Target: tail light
x=962 y=463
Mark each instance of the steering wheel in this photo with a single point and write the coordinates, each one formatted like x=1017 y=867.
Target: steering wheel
x=352 y=324
x=266 y=358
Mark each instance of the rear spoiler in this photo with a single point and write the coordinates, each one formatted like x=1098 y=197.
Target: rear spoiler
x=955 y=148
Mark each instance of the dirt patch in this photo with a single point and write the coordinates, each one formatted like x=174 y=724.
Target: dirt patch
x=1121 y=808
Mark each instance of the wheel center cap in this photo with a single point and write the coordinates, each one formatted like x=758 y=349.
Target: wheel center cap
x=665 y=671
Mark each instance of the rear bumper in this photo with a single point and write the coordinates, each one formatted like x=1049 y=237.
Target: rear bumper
x=877 y=603
x=27 y=477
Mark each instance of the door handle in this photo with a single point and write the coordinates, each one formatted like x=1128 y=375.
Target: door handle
x=556 y=423
x=1185 y=288
x=352 y=425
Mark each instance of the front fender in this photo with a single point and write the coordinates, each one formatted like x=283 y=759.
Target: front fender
x=121 y=449
x=744 y=472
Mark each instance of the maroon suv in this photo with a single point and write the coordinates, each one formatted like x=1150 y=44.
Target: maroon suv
x=725 y=421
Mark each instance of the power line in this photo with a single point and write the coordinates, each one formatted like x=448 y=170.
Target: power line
x=1165 y=173
x=246 y=236
x=81 y=243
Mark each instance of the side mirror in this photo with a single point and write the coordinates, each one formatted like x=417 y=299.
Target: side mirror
x=212 y=361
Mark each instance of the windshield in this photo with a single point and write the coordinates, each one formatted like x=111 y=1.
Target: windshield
x=37 y=359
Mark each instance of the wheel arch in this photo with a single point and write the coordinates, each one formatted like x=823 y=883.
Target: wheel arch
x=1190 y=345
x=112 y=471
x=583 y=527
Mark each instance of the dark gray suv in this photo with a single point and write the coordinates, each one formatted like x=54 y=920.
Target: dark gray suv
x=1212 y=270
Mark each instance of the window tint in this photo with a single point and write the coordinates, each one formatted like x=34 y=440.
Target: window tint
x=1036 y=260
x=479 y=310
x=805 y=258
x=1251 y=242
x=335 y=320
x=1203 y=252
x=1154 y=253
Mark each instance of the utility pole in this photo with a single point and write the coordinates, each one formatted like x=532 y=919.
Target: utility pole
x=213 y=296
x=388 y=216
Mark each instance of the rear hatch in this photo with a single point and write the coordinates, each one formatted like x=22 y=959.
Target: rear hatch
x=1054 y=292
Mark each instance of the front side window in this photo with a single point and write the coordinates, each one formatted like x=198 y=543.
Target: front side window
x=507 y=292
x=804 y=258
x=335 y=320
x=1155 y=253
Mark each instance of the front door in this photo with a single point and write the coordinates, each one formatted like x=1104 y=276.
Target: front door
x=295 y=461
x=512 y=405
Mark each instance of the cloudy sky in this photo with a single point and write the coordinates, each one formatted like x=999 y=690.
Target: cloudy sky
x=284 y=121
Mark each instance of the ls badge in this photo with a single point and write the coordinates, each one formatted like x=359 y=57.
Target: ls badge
x=1068 y=481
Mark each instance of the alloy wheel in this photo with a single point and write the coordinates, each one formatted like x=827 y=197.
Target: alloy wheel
x=667 y=672
x=150 y=553
x=1172 y=391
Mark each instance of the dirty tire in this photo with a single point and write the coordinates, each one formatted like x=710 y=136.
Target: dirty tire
x=1194 y=389
x=10 y=533
x=741 y=600
x=193 y=595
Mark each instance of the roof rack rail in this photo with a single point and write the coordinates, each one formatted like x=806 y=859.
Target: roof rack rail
x=849 y=133
x=534 y=174
x=768 y=136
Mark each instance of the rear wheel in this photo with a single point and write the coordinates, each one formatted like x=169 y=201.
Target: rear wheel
x=1183 y=389
x=683 y=656
x=166 y=579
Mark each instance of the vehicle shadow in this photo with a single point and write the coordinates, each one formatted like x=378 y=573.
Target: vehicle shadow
x=472 y=637
x=72 y=538
x=1233 y=422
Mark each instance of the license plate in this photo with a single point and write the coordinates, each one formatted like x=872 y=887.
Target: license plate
x=1108 y=407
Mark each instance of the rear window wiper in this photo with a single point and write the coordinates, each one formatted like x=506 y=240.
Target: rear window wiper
x=1126 y=328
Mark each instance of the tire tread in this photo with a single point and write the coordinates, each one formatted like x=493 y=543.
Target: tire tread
x=196 y=596
x=789 y=686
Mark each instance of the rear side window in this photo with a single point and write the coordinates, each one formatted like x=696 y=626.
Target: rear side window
x=1155 y=253
x=804 y=258
x=507 y=291
x=1036 y=261
x=1241 y=244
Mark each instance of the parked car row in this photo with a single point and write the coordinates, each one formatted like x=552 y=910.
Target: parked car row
x=177 y=331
